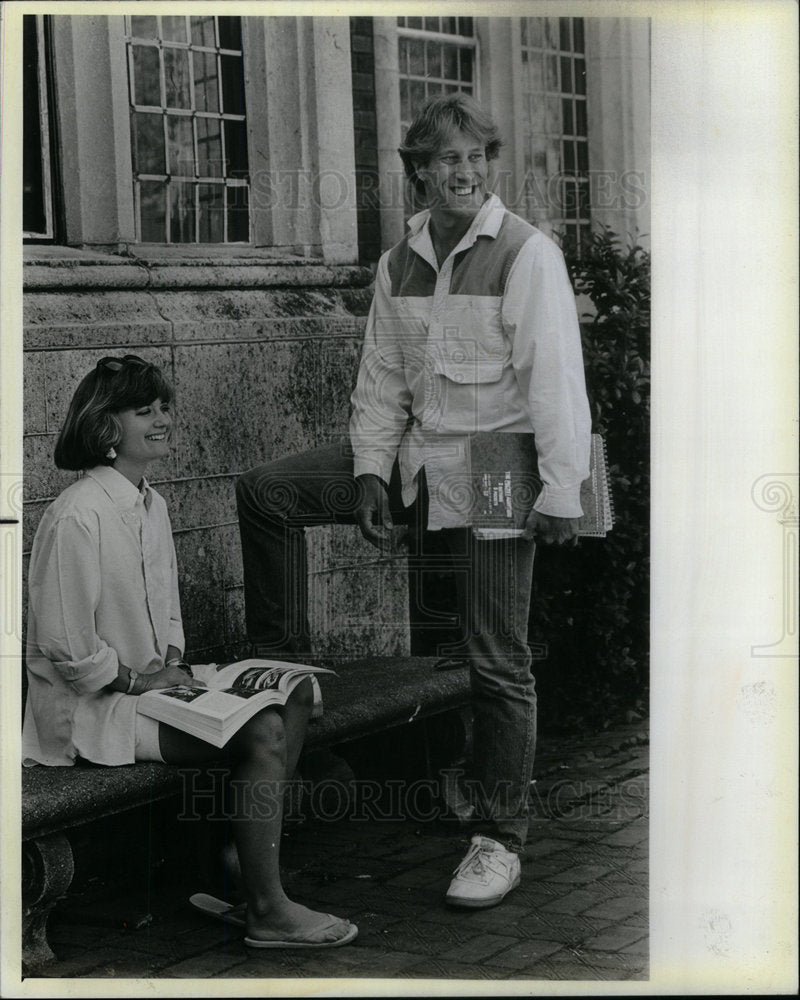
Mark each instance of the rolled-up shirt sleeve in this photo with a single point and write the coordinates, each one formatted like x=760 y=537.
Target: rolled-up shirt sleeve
x=64 y=596
x=381 y=401
x=541 y=319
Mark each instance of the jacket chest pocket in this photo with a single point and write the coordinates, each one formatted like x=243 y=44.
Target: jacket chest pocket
x=473 y=348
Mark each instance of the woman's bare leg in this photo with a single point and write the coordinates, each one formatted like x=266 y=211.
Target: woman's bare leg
x=262 y=752
x=296 y=713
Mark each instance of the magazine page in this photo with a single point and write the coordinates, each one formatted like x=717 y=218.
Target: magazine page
x=230 y=695
x=227 y=688
x=251 y=675
x=214 y=705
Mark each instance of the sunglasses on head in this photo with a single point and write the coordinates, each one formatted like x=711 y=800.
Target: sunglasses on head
x=117 y=364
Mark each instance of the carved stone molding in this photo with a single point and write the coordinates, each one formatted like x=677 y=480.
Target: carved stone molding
x=47 y=870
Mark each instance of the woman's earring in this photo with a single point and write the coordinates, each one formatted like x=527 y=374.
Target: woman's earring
x=111 y=453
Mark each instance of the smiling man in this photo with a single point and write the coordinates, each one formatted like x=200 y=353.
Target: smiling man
x=473 y=327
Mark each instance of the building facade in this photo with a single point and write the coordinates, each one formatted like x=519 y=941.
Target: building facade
x=212 y=193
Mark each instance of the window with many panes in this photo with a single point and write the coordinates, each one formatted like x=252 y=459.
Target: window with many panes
x=555 y=136
x=188 y=129
x=437 y=55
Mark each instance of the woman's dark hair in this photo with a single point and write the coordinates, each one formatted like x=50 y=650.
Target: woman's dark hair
x=440 y=116
x=91 y=426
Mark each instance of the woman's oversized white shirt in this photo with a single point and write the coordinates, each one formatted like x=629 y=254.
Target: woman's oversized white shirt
x=103 y=590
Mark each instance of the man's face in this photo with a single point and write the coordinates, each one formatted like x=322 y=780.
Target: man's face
x=455 y=178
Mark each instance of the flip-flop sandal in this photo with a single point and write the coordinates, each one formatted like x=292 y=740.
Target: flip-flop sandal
x=234 y=914
x=289 y=943
x=228 y=913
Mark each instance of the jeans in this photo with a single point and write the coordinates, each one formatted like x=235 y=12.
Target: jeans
x=278 y=500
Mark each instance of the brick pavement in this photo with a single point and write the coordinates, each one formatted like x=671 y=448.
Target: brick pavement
x=580 y=913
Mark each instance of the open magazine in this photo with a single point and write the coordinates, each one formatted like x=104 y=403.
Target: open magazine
x=234 y=693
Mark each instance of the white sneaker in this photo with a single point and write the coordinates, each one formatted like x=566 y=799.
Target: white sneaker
x=486 y=874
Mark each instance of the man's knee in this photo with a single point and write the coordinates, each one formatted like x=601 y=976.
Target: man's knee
x=503 y=677
x=266 y=489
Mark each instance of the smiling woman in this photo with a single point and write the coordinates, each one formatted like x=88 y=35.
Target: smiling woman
x=145 y=437
x=104 y=626
x=104 y=614
x=107 y=402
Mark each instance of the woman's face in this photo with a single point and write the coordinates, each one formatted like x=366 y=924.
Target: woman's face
x=145 y=433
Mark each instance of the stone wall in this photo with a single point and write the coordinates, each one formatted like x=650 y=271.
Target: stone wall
x=263 y=356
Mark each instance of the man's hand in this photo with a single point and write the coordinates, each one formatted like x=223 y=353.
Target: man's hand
x=551 y=530
x=373 y=516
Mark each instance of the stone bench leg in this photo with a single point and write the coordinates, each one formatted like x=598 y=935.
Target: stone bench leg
x=47 y=870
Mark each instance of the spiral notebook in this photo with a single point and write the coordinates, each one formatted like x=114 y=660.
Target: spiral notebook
x=505 y=483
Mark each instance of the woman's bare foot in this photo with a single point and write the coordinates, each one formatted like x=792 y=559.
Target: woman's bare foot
x=297 y=925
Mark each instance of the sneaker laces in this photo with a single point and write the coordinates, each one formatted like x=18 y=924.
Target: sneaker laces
x=473 y=859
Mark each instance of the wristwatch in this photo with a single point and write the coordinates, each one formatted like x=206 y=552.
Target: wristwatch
x=133 y=677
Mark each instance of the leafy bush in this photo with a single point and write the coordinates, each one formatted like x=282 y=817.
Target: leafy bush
x=590 y=605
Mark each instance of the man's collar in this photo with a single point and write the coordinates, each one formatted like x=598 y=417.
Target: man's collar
x=121 y=490
x=486 y=223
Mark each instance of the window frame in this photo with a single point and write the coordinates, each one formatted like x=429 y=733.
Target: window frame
x=165 y=111
x=460 y=41
x=617 y=58
x=296 y=77
x=45 y=100
x=556 y=219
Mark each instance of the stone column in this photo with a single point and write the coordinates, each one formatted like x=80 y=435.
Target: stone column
x=94 y=129
x=304 y=136
x=618 y=110
x=387 y=101
x=334 y=141
x=499 y=95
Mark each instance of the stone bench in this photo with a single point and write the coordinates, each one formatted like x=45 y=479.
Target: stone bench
x=366 y=697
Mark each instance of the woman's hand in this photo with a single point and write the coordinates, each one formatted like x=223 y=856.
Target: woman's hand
x=168 y=677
